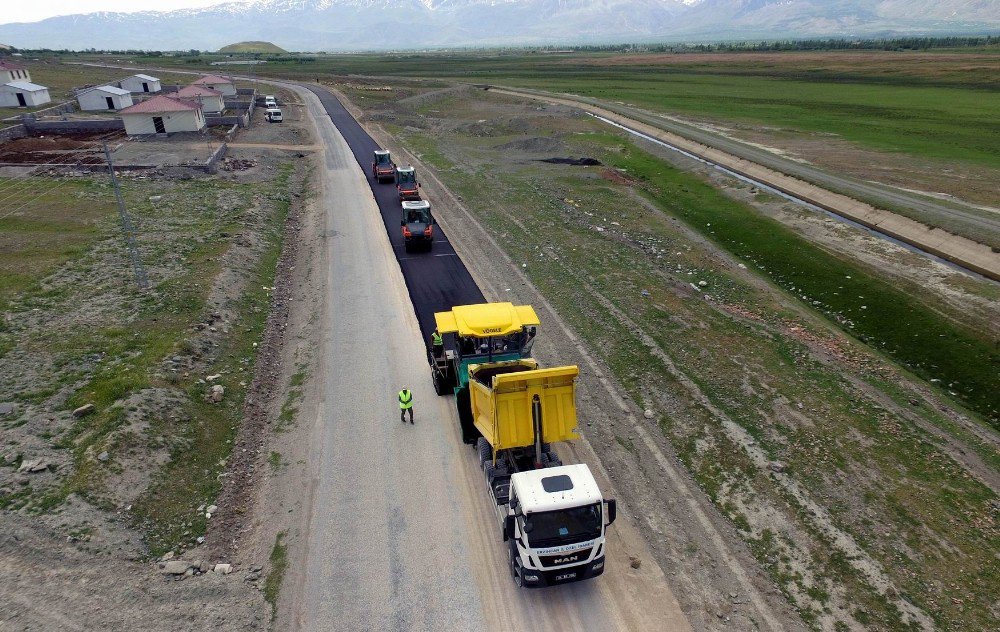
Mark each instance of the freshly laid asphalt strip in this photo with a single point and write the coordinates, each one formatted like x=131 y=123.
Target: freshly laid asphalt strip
x=437 y=280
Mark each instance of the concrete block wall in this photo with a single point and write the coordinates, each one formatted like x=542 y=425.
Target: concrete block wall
x=217 y=155
x=231 y=119
x=73 y=127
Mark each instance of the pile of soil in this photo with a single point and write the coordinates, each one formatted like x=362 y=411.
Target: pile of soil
x=618 y=177
x=237 y=164
x=68 y=149
x=576 y=162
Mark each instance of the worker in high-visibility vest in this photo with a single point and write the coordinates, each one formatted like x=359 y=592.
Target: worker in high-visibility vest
x=437 y=344
x=405 y=404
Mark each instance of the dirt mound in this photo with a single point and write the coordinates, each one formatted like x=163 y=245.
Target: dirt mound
x=618 y=177
x=576 y=162
x=62 y=149
x=537 y=144
x=237 y=164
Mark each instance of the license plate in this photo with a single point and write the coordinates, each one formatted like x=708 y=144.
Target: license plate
x=562 y=578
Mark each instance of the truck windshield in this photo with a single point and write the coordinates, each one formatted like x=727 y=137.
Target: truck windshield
x=418 y=216
x=407 y=177
x=551 y=528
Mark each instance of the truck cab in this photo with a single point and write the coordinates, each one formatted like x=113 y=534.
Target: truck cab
x=554 y=523
x=383 y=168
x=418 y=225
x=552 y=516
x=406 y=183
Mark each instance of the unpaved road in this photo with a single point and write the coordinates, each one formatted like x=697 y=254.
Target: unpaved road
x=398 y=533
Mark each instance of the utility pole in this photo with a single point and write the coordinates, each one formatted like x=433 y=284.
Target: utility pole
x=127 y=228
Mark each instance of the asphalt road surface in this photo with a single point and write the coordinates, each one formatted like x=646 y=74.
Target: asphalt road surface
x=400 y=534
x=437 y=280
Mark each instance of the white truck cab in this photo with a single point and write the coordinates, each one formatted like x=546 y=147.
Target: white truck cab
x=554 y=524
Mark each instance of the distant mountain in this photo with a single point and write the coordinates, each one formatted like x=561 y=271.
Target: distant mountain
x=313 y=25
x=252 y=47
x=806 y=18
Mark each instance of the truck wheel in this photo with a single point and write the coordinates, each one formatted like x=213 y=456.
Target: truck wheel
x=485 y=451
x=488 y=469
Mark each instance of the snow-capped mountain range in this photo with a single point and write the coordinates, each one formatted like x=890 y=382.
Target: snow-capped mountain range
x=342 y=25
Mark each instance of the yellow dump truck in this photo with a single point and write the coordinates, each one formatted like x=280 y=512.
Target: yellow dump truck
x=552 y=516
x=510 y=398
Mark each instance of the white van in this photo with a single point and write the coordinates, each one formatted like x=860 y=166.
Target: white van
x=273 y=115
x=270 y=101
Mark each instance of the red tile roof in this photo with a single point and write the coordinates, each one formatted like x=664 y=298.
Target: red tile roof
x=161 y=103
x=6 y=65
x=211 y=79
x=198 y=91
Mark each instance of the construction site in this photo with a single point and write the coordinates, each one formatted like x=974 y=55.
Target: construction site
x=423 y=354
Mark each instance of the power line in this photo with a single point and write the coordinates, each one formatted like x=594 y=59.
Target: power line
x=127 y=228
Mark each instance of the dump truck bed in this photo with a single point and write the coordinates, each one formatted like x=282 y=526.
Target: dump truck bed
x=502 y=394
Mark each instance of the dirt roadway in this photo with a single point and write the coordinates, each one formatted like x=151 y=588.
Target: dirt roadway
x=398 y=533
x=964 y=252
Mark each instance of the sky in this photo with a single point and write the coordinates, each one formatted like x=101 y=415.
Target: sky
x=40 y=9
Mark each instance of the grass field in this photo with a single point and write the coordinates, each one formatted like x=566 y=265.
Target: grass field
x=889 y=317
x=940 y=105
x=62 y=225
x=78 y=332
x=948 y=123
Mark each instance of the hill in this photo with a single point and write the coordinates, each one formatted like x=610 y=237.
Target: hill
x=252 y=47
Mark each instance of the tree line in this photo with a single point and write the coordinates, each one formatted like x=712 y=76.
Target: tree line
x=828 y=44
